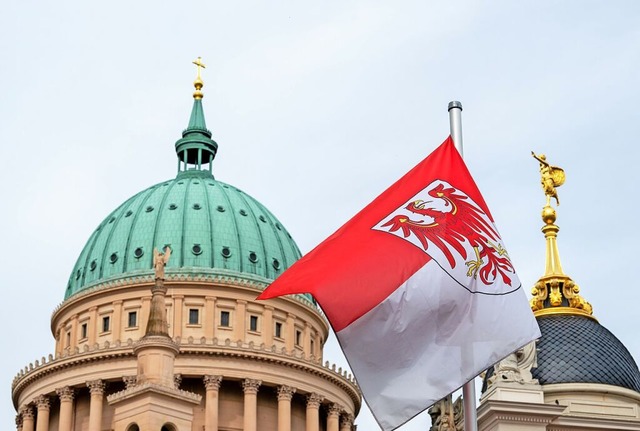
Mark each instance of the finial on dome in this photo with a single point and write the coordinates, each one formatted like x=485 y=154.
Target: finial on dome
x=555 y=292
x=198 y=82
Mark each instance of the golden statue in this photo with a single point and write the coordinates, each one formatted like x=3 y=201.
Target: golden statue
x=160 y=261
x=550 y=178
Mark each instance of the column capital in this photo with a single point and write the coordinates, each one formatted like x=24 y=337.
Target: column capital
x=314 y=400
x=26 y=412
x=65 y=393
x=346 y=421
x=96 y=387
x=212 y=383
x=250 y=386
x=177 y=380
x=43 y=402
x=285 y=392
x=335 y=409
x=129 y=381
x=19 y=421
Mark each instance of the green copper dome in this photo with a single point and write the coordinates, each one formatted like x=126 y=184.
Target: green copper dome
x=211 y=227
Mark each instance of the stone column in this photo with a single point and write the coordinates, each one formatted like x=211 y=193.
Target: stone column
x=250 y=387
x=177 y=315
x=212 y=385
x=346 y=422
x=289 y=332
x=333 y=417
x=27 y=418
x=96 y=388
x=313 y=414
x=92 y=326
x=268 y=325
x=66 y=408
x=209 y=318
x=43 y=403
x=116 y=325
x=285 y=393
x=241 y=319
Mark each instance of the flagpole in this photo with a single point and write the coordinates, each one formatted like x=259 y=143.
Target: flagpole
x=469 y=388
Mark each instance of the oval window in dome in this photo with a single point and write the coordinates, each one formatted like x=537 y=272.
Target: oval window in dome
x=113 y=258
x=128 y=213
x=149 y=209
x=278 y=226
x=243 y=213
x=138 y=252
x=196 y=182
x=112 y=219
x=253 y=257
x=276 y=264
x=220 y=208
x=226 y=252
x=173 y=206
x=93 y=265
x=262 y=219
x=196 y=206
x=196 y=249
x=78 y=274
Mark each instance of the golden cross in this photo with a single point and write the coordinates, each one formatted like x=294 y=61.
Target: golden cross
x=200 y=65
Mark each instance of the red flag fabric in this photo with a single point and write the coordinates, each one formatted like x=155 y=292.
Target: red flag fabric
x=419 y=289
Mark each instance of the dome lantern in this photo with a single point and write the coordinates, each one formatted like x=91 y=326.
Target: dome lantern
x=196 y=150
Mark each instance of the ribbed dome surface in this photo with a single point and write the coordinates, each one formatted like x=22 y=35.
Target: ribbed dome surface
x=208 y=225
x=577 y=349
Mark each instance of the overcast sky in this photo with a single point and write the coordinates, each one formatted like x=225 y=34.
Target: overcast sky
x=317 y=107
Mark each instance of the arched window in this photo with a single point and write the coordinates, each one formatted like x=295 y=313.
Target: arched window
x=168 y=427
x=133 y=427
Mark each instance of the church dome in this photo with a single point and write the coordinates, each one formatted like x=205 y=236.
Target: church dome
x=577 y=349
x=211 y=227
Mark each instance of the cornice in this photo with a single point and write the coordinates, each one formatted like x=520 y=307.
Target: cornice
x=212 y=347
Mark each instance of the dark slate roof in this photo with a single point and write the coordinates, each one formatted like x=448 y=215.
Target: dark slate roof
x=577 y=349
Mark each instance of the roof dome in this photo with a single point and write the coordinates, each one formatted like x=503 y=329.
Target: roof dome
x=211 y=227
x=577 y=349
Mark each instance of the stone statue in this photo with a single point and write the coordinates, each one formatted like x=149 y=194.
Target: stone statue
x=550 y=177
x=160 y=261
x=447 y=415
x=517 y=366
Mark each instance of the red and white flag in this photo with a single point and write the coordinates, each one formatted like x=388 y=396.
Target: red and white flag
x=418 y=288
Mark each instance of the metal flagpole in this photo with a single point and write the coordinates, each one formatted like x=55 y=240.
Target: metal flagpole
x=469 y=388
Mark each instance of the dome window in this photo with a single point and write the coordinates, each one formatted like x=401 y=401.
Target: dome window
x=262 y=219
x=181 y=182
x=253 y=257
x=278 y=226
x=149 y=209
x=113 y=258
x=220 y=208
x=173 y=206
x=243 y=213
x=276 y=264
x=165 y=184
x=128 y=213
x=196 y=249
x=225 y=186
x=93 y=265
x=196 y=207
x=196 y=182
x=112 y=219
x=211 y=184
x=138 y=252
x=226 y=252
x=78 y=274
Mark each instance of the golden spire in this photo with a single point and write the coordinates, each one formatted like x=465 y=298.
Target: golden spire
x=198 y=82
x=555 y=292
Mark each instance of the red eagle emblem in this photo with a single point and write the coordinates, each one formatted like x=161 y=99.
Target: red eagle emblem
x=449 y=226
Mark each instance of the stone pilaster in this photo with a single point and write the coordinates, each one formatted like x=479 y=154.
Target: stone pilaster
x=66 y=408
x=212 y=386
x=28 y=418
x=346 y=422
x=333 y=417
x=250 y=387
x=96 y=389
x=313 y=414
x=285 y=394
x=44 y=405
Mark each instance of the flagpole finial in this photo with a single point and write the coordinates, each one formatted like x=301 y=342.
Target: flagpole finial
x=198 y=84
x=454 y=104
x=555 y=292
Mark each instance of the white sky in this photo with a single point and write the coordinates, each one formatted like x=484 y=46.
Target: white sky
x=317 y=107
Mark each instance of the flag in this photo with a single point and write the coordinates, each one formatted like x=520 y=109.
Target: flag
x=419 y=289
